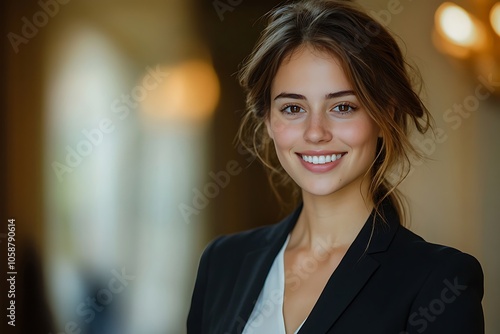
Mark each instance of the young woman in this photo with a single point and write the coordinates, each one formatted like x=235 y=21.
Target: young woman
x=330 y=107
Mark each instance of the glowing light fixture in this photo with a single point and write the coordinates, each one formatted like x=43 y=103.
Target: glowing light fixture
x=467 y=37
x=456 y=24
x=189 y=92
x=495 y=18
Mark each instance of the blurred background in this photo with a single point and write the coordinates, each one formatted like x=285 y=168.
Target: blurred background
x=118 y=163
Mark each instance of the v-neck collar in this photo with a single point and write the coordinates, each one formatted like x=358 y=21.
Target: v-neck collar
x=352 y=273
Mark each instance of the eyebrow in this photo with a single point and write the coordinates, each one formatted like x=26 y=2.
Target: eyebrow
x=302 y=97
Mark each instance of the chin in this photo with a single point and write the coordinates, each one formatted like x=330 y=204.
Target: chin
x=320 y=189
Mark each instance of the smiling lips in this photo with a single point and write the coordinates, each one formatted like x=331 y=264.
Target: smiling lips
x=321 y=159
x=320 y=163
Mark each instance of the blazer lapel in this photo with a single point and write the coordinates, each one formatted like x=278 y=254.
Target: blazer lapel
x=353 y=272
x=253 y=273
x=346 y=282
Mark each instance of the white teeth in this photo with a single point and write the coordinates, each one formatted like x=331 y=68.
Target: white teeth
x=321 y=159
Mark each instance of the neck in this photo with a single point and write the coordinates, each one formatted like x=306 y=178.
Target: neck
x=336 y=218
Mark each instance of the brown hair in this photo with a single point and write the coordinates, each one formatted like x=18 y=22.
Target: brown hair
x=373 y=63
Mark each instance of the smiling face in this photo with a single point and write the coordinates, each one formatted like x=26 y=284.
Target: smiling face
x=324 y=138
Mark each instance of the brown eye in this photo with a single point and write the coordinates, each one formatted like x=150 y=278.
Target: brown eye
x=344 y=108
x=292 y=109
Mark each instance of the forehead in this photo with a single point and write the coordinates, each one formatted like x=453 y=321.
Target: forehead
x=308 y=69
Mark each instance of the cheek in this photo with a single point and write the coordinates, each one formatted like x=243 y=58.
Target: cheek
x=359 y=134
x=284 y=135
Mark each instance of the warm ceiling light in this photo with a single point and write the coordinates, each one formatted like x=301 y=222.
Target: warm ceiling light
x=464 y=36
x=495 y=17
x=456 y=24
x=190 y=92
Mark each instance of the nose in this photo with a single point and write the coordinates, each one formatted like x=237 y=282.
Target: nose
x=317 y=128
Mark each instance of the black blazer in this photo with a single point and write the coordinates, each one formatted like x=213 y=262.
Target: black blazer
x=400 y=284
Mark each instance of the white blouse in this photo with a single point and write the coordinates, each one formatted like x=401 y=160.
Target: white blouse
x=267 y=315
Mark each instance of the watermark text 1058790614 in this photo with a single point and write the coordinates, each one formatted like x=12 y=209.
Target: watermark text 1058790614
x=11 y=272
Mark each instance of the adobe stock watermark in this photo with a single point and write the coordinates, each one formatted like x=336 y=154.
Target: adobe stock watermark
x=105 y=296
x=302 y=271
x=427 y=314
x=471 y=103
x=31 y=26
x=222 y=6
x=361 y=39
x=384 y=16
x=212 y=189
x=454 y=117
x=121 y=107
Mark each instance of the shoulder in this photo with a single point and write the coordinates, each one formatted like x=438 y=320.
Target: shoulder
x=235 y=245
x=395 y=244
x=218 y=272
x=443 y=286
x=448 y=287
x=410 y=256
x=415 y=248
x=437 y=268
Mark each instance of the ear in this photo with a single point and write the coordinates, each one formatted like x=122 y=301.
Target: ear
x=268 y=126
